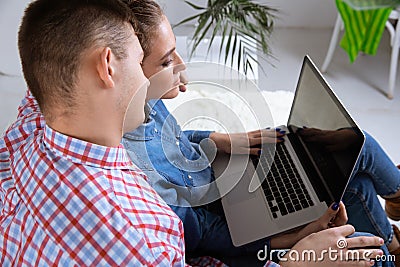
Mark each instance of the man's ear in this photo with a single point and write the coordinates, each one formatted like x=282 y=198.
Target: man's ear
x=105 y=68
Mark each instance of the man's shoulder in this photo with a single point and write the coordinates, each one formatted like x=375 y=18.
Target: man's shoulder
x=22 y=130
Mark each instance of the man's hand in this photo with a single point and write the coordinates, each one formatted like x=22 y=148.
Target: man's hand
x=245 y=143
x=328 y=240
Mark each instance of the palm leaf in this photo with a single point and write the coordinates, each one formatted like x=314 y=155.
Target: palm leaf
x=222 y=40
x=187 y=20
x=234 y=49
x=194 y=6
x=244 y=27
x=198 y=39
x=228 y=46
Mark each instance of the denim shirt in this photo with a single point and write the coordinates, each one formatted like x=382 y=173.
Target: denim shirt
x=170 y=156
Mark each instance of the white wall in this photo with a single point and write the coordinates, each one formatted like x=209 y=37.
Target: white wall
x=293 y=13
x=10 y=17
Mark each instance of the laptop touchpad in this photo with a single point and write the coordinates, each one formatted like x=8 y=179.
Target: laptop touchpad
x=241 y=192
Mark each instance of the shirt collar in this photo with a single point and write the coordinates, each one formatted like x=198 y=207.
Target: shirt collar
x=86 y=153
x=144 y=132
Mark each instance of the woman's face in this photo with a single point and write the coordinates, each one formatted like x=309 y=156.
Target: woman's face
x=163 y=65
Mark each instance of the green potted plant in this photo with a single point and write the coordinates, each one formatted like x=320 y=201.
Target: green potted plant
x=244 y=27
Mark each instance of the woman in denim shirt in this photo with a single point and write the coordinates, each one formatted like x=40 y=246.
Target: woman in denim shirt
x=179 y=171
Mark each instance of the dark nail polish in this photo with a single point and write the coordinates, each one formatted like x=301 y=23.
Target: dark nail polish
x=259 y=152
x=277 y=129
x=281 y=139
x=335 y=206
x=282 y=132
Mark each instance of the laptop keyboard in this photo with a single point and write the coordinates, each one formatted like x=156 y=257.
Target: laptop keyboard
x=283 y=187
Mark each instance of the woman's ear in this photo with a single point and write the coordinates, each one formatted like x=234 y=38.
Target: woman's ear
x=105 y=69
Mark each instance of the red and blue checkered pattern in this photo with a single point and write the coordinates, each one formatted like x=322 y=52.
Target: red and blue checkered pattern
x=68 y=202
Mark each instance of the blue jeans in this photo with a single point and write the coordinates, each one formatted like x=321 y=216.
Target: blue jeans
x=374 y=174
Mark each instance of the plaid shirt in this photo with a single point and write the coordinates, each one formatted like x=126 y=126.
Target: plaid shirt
x=68 y=202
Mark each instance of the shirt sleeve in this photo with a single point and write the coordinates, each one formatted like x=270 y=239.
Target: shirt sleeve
x=197 y=136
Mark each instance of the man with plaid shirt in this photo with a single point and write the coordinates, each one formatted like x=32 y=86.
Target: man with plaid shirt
x=69 y=197
x=70 y=202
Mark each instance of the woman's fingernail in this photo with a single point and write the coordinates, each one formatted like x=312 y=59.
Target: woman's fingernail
x=381 y=241
x=259 y=152
x=281 y=139
x=335 y=206
x=282 y=132
x=278 y=129
x=267 y=128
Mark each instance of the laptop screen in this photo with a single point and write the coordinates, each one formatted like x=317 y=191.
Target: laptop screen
x=329 y=136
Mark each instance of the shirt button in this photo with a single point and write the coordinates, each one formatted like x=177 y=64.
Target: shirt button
x=155 y=129
x=190 y=177
x=177 y=143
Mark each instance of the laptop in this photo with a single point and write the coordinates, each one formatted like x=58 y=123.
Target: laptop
x=294 y=182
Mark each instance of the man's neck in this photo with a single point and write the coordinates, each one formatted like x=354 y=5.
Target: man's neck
x=97 y=127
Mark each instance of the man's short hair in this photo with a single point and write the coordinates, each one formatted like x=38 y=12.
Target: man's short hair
x=53 y=36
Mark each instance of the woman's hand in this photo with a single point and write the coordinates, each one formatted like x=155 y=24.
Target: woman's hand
x=246 y=143
x=334 y=216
